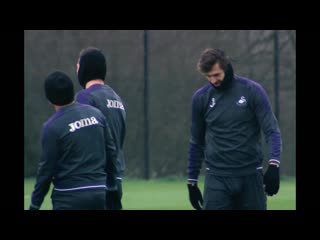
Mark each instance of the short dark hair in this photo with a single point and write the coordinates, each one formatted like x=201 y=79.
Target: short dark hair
x=210 y=57
x=87 y=50
x=92 y=65
x=59 y=89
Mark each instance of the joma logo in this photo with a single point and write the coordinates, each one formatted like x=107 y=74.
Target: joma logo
x=82 y=123
x=114 y=104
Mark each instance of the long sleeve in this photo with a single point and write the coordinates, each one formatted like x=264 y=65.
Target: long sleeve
x=46 y=167
x=111 y=159
x=197 y=141
x=268 y=123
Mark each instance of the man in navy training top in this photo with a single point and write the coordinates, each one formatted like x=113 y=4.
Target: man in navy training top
x=228 y=115
x=91 y=70
x=78 y=152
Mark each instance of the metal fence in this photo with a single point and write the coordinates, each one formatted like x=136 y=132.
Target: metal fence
x=155 y=73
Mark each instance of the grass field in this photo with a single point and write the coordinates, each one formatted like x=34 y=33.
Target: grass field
x=170 y=194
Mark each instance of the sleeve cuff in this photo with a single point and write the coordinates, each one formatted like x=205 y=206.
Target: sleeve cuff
x=274 y=162
x=192 y=180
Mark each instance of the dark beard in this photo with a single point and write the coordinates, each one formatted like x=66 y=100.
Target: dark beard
x=228 y=79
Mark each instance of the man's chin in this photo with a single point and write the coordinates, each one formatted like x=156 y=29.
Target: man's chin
x=217 y=85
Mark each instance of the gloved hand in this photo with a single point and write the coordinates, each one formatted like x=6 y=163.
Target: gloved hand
x=195 y=196
x=33 y=208
x=119 y=186
x=113 y=198
x=271 y=180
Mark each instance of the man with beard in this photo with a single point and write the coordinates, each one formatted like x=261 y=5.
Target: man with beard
x=228 y=115
x=91 y=70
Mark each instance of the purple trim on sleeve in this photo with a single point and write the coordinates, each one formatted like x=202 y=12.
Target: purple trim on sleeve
x=196 y=154
x=272 y=132
x=276 y=145
x=259 y=89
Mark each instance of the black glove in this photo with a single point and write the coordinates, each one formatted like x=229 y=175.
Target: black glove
x=272 y=180
x=119 y=185
x=195 y=196
x=33 y=208
x=113 y=198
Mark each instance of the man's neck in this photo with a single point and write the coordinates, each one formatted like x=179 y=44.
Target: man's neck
x=93 y=82
x=56 y=107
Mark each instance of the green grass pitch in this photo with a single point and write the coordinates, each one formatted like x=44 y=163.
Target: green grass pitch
x=170 y=194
